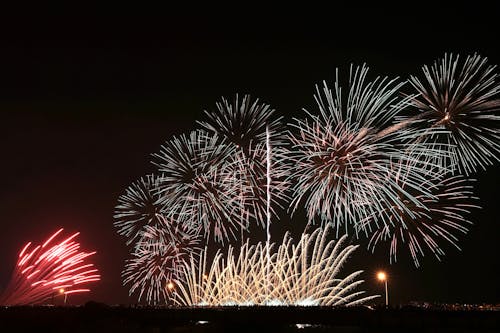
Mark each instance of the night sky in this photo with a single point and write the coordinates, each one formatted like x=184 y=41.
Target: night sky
x=86 y=100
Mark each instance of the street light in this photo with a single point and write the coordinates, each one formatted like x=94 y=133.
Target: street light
x=383 y=277
x=62 y=291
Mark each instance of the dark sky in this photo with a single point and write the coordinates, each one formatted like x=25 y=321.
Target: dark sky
x=86 y=99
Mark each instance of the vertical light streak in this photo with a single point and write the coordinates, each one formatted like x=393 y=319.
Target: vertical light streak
x=268 y=185
x=268 y=199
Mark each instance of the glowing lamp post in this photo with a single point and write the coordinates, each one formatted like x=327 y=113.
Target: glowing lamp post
x=62 y=291
x=170 y=287
x=383 y=277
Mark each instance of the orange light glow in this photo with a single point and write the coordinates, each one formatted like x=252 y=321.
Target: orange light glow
x=381 y=276
x=61 y=291
x=170 y=286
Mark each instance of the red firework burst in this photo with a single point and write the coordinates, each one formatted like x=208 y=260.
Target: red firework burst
x=44 y=270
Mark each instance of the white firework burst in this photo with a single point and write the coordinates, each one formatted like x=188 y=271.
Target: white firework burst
x=139 y=206
x=251 y=127
x=342 y=155
x=463 y=98
x=437 y=214
x=156 y=260
x=199 y=186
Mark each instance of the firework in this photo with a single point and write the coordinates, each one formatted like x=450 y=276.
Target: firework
x=54 y=267
x=438 y=213
x=301 y=274
x=179 y=235
x=258 y=138
x=199 y=185
x=342 y=155
x=156 y=258
x=461 y=97
x=244 y=123
x=141 y=205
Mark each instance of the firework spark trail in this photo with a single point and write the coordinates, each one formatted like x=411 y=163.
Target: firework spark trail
x=438 y=212
x=462 y=97
x=141 y=205
x=199 y=185
x=44 y=270
x=244 y=123
x=340 y=161
x=300 y=274
x=251 y=127
x=169 y=231
x=156 y=258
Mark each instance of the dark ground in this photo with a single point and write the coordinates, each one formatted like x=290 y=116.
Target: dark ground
x=101 y=318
